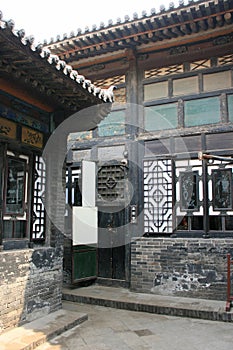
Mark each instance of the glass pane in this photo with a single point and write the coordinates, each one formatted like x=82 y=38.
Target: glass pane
x=77 y=201
x=230 y=107
x=222 y=189
x=185 y=86
x=7 y=229
x=113 y=124
x=15 y=186
x=197 y=222
x=189 y=190
x=229 y=223
x=161 y=117
x=156 y=91
x=182 y=223
x=215 y=223
x=20 y=229
x=217 y=81
x=202 y=111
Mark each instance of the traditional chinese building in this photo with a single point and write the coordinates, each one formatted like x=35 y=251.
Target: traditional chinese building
x=38 y=93
x=174 y=102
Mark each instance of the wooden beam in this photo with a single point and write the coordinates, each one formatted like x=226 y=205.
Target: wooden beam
x=14 y=90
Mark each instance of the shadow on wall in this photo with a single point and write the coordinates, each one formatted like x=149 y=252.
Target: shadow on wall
x=31 y=285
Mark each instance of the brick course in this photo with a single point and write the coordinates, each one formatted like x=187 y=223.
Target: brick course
x=31 y=285
x=180 y=267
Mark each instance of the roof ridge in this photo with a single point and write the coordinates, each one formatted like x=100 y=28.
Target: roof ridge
x=182 y=4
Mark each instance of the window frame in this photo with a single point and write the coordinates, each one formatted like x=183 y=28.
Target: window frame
x=201 y=94
x=6 y=185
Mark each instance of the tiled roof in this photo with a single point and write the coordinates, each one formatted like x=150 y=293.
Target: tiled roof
x=45 y=72
x=192 y=18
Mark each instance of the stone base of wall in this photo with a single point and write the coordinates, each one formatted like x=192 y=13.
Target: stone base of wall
x=180 y=267
x=31 y=285
x=67 y=262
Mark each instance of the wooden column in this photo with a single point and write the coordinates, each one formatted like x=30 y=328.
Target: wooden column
x=132 y=149
x=1 y=192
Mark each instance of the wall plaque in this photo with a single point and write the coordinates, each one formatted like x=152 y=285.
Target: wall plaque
x=32 y=137
x=7 y=128
x=222 y=189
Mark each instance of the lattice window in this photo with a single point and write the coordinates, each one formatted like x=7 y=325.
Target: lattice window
x=220 y=188
x=158 y=196
x=194 y=66
x=38 y=226
x=120 y=95
x=189 y=186
x=73 y=190
x=111 y=184
x=107 y=82
x=164 y=71
x=203 y=64
x=189 y=194
x=224 y=60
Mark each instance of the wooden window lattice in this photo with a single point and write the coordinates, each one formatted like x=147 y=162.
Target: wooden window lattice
x=202 y=64
x=38 y=225
x=159 y=72
x=73 y=191
x=224 y=60
x=194 y=66
x=120 y=95
x=111 y=185
x=106 y=83
x=157 y=196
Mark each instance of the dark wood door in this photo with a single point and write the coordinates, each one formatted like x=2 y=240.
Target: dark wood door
x=111 y=245
x=112 y=198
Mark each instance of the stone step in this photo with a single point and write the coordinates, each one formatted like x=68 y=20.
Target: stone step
x=32 y=334
x=122 y=298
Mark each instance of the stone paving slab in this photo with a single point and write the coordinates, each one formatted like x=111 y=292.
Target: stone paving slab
x=35 y=333
x=115 y=329
x=168 y=305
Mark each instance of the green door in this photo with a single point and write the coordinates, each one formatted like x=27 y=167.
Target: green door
x=84 y=263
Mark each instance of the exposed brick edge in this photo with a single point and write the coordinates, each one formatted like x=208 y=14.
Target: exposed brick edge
x=155 y=309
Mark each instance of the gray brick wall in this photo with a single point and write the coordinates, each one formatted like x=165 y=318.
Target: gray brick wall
x=31 y=285
x=180 y=267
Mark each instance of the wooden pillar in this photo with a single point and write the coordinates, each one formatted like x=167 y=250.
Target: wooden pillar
x=1 y=192
x=132 y=127
x=54 y=156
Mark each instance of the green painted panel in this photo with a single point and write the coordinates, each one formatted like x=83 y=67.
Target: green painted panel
x=83 y=247
x=161 y=117
x=202 y=111
x=230 y=107
x=113 y=124
x=84 y=263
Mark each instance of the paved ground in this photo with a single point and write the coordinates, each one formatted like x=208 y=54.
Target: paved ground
x=110 y=329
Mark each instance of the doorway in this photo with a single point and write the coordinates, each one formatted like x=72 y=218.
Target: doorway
x=111 y=199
